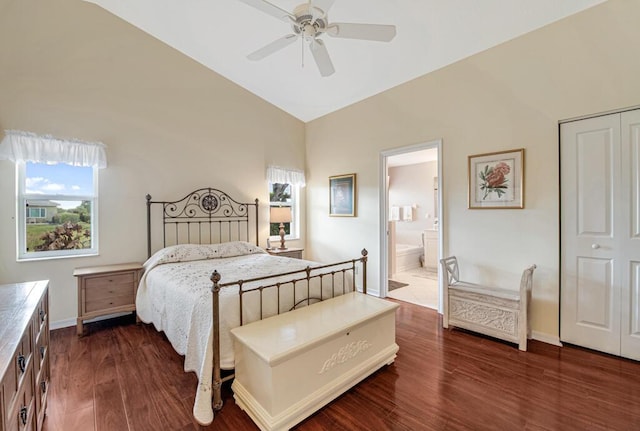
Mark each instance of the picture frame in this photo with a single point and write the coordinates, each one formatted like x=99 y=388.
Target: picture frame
x=342 y=195
x=496 y=180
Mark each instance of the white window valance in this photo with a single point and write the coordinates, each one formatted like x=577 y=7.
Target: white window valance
x=19 y=146
x=276 y=174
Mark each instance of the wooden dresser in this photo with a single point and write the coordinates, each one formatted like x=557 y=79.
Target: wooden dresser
x=24 y=355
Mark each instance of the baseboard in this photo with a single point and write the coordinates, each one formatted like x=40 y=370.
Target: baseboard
x=59 y=324
x=546 y=338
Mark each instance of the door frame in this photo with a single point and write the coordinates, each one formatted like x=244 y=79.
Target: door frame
x=384 y=212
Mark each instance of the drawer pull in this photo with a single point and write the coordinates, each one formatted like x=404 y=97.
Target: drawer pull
x=42 y=350
x=22 y=362
x=23 y=415
x=43 y=386
x=42 y=315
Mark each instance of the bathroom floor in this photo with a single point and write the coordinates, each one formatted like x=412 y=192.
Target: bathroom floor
x=422 y=287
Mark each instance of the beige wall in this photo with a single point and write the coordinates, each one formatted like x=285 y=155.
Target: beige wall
x=511 y=96
x=71 y=69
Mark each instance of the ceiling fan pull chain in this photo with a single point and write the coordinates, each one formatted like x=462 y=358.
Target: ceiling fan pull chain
x=302 y=45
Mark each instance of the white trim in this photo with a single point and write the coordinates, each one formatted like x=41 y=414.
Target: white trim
x=66 y=323
x=59 y=324
x=384 y=214
x=546 y=338
x=600 y=114
x=21 y=218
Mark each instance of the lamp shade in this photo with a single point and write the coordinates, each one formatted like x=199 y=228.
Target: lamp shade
x=280 y=214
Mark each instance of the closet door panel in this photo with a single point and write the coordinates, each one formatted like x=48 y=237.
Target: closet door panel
x=630 y=245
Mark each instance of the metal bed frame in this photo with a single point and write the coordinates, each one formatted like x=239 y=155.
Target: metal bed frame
x=210 y=216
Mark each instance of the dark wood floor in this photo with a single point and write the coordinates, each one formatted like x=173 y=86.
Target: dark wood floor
x=127 y=377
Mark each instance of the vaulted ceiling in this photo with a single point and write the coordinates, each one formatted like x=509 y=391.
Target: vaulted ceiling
x=430 y=35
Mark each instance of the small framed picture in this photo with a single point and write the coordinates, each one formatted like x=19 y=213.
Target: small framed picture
x=342 y=195
x=496 y=180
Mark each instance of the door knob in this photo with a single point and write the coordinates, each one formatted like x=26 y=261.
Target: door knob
x=595 y=246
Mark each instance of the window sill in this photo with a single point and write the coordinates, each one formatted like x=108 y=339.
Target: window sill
x=66 y=256
x=286 y=238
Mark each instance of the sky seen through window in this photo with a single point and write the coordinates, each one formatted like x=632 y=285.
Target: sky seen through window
x=59 y=179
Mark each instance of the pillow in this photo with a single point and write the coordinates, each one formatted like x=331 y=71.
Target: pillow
x=190 y=252
x=237 y=248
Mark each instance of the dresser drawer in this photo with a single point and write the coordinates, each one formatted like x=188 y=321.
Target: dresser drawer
x=9 y=388
x=24 y=359
x=41 y=316
x=42 y=346
x=42 y=391
x=21 y=418
x=16 y=374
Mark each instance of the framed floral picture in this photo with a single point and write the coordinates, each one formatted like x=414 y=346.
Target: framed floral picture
x=342 y=195
x=496 y=180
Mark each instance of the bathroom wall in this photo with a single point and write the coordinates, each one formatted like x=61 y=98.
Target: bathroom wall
x=413 y=185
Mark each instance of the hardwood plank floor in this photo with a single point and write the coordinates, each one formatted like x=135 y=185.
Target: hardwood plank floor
x=123 y=376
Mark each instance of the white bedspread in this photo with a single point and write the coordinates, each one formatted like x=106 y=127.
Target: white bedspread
x=175 y=295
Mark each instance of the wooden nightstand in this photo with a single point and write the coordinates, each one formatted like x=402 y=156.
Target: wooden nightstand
x=107 y=289
x=295 y=253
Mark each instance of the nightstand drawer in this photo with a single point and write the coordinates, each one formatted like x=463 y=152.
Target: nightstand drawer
x=110 y=280
x=97 y=290
x=109 y=302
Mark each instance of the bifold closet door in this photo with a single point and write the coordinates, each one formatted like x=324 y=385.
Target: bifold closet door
x=600 y=233
x=590 y=189
x=630 y=295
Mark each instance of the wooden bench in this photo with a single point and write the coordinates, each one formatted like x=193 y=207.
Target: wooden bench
x=499 y=313
x=289 y=366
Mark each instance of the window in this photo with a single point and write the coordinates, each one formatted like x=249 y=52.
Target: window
x=36 y=212
x=285 y=195
x=57 y=209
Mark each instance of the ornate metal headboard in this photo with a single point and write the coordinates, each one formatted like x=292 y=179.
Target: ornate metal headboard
x=205 y=216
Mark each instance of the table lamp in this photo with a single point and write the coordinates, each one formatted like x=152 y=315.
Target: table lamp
x=280 y=215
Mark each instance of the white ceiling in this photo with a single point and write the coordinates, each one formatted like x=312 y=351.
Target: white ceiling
x=430 y=35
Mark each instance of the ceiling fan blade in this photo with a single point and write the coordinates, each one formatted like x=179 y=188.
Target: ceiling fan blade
x=270 y=9
x=378 y=32
x=320 y=8
x=321 y=56
x=325 y=5
x=274 y=46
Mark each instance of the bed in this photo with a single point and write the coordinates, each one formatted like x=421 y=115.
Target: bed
x=208 y=275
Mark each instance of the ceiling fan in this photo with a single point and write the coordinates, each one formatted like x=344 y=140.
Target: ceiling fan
x=309 y=21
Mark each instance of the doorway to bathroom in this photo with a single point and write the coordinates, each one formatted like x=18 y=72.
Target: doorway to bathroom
x=411 y=223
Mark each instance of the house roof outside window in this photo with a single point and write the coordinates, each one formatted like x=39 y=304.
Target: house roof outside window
x=41 y=203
